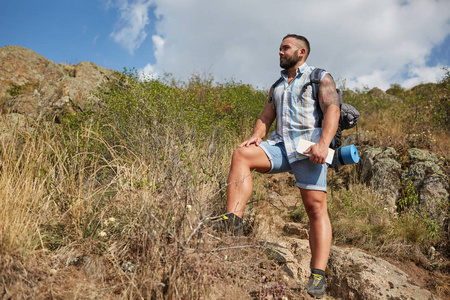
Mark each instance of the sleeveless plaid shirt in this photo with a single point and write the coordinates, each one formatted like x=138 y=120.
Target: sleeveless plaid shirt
x=296 y=118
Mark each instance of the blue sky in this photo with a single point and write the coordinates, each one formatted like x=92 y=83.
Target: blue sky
x=362 y=43
x=70 y=32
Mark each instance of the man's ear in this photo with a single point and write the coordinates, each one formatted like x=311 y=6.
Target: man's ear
x=302 y=51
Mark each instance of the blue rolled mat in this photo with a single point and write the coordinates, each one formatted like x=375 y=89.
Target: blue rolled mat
x=347 y=155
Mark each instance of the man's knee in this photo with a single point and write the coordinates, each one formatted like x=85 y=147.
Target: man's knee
x=251 y=157
x=315 y=211
x=315 y=203
x=239 y=157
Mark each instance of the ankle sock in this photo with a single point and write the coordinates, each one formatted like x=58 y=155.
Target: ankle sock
x=318 y=272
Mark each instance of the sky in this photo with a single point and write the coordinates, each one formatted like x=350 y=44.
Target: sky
x=362 y=43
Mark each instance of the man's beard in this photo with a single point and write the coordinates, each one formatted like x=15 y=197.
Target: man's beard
x=289 y=62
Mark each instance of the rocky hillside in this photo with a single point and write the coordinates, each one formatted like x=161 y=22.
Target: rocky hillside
x=271 y=262
x=352 y=273
x=34 y=86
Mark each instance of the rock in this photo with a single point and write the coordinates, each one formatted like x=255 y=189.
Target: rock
x=11 y=122
x=433 y=191
x=351 y=273
x=416 y=155
x=354 y=274
x=381 y=170
x=293 y=255
x=367 y=162
x=378 y=93
x=296 y=229
x=87 y=78
x=34 y=86
x=430 y=182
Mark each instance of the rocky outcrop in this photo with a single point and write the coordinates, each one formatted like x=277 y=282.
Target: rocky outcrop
x=430 y=182
x=351 y=273
x=380 y=94
x=417 y=174
x=354 y=274
x=34 y=86
x=381 y=169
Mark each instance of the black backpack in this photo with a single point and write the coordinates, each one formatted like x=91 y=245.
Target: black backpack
x=349 y=114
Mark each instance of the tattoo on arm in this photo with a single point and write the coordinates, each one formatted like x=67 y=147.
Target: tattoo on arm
x=327 y=93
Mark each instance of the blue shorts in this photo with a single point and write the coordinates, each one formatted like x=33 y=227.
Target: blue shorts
x=308 y=175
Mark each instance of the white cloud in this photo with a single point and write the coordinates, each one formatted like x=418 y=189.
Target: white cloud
x=424 y=75
x=129 y=31
x=149 y=72
x=158 y=44
x=367 y=43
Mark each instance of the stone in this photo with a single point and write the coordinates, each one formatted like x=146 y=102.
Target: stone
x=36 y=87
x=354 y=274
x=416 y=155
x=381 y=170
x=378 y=93
x=351 y=273
x=430 y=183
x=296 y=229
x=434 y=197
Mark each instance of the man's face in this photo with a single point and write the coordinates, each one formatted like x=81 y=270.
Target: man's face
x=288 y=53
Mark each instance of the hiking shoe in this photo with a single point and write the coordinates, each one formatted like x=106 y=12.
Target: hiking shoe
x=228 y=223
x=317 y=284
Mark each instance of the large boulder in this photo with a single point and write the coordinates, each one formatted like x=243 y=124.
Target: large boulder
x=351 y=273
x=354 y=274
x=381 y=170
x=34 y=86
x=421 y=177
x=430 y=183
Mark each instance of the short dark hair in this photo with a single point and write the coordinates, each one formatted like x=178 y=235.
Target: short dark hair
x=300 y=38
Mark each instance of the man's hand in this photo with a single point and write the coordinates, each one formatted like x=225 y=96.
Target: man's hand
x=319 y=153
x=252 y=140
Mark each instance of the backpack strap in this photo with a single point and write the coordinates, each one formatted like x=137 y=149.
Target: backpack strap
x=272 y=88
x=314 y=82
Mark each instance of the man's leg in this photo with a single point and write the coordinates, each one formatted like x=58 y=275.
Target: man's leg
x=240 y=182
x=315 y=203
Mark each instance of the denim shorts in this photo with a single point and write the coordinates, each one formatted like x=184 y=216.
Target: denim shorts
x=308 y=175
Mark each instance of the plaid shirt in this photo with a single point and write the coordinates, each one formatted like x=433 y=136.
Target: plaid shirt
x=296 y=118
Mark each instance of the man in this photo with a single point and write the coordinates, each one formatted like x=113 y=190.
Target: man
x=296 y=119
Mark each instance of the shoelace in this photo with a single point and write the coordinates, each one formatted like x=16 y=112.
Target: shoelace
x=317 y=279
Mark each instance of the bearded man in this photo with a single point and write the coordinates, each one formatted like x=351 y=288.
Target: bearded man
x=297 y=118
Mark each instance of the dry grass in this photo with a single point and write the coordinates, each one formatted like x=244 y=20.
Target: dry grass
x=95 y=213
x=22 y=196
x=129 y=226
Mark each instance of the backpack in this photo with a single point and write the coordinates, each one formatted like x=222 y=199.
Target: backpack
x=349 y=114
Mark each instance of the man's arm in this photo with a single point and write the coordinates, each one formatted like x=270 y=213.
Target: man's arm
x=262 y=126
x=329 y=103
